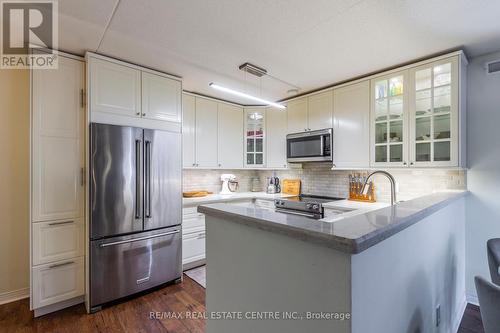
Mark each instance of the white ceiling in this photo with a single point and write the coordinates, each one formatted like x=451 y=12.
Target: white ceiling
x=309 y=44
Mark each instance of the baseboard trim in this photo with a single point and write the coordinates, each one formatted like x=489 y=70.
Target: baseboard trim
x=193 y=264
x=459 y=315
x=472 y=299
x=14 y=295
x=59 y=306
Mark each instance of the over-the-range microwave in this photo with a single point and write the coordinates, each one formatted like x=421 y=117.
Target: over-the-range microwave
x=311 y=146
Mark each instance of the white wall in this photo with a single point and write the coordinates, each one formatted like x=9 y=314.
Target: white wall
x=483 y=178
x=14 y=183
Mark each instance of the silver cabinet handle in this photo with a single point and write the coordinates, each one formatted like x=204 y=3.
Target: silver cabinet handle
x=139 y=239
x=143 y=114
x=61 y=265
x=60 y=223
x=137 y=113
x=404 y=163
x=411 y=163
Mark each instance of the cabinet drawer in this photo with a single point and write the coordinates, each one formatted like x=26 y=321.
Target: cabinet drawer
x=57 y=282
x=192 y=220
x=59 y=240
x=193 y=247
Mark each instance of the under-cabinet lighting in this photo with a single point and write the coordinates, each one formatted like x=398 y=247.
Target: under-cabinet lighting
x=241 y=94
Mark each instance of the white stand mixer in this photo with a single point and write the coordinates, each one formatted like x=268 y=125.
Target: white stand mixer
x=228 y=179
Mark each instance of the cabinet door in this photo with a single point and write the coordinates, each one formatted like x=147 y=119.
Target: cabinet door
x=320 y=110
x=161 y=98
x=206 y=133
x=255 y=137
x=58 y=240
x=276 y=130
x=57 y=156
x=193 y=247
x=58 y=282
x=389 y=119
x=434 y=114
x=351 y=126
x=188 y=130
x=230 y=141
x=297 y=115
x=114 y=88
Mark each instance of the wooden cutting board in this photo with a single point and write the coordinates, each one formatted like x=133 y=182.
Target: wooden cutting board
x=290 y=186
x=195 y=194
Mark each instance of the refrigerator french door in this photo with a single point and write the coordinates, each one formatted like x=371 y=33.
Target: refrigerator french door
x=135 y=210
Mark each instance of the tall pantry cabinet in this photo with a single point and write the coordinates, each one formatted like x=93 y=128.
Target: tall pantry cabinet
x=57 y=186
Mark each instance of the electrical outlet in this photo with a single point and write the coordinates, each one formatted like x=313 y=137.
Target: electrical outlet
x=438 y=315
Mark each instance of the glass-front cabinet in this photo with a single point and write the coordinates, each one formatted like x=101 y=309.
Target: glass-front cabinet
x=434 y=114
x=389 y=120
x=254 y=137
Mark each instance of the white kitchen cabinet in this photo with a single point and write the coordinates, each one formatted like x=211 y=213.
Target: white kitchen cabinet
x=57 y=282
x=434 y=114
x=57 y=184
x=188 y=131
x=351 y=126
x=297 y=115
x=193 y=249
x=57 y=240
x=114 y=88
x=57 y=142
x=193 y=237
x=206 y=133
x=320 y=111
x=161 y=98
x=389 y=120
x=230 y=136
x=276 y=130
x=255 y=137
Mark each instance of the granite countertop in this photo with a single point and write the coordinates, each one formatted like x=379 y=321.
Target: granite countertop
x=350 y=234
x=213 y=198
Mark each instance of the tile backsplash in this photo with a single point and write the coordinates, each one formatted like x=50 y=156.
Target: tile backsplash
x=319 y=179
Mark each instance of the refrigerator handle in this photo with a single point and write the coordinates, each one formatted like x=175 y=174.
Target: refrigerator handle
x=148 y=179
x=138 y=179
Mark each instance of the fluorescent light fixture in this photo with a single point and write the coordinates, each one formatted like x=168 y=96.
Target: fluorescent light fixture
x=240 y=94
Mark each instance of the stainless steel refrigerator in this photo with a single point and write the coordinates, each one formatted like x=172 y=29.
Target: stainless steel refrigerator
x=135 y=211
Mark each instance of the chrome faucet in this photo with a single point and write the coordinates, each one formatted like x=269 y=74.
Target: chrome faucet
x=391 y=179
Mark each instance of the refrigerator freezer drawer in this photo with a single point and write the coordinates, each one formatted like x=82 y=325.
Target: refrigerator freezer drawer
x=122 y=266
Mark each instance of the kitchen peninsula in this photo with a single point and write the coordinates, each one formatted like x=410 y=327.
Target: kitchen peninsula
x=394 y=269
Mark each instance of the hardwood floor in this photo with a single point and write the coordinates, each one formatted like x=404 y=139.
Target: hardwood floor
x=134 y=315
x=130 y=316
x=471 y=321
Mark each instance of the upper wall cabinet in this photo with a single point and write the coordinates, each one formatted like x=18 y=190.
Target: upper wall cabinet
x=319 y=113
x=351 y=126
x=297 y=115
x=188 y=131
x=230 y=136
x=389 y=115
x=206 y=133
x=161 y=98
x=276 y=130
x=129 y=95
x=58 y=141
x=434 y=114
x=310 y=113
x=114 y=88
x=255 y=124
x=418 y=116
